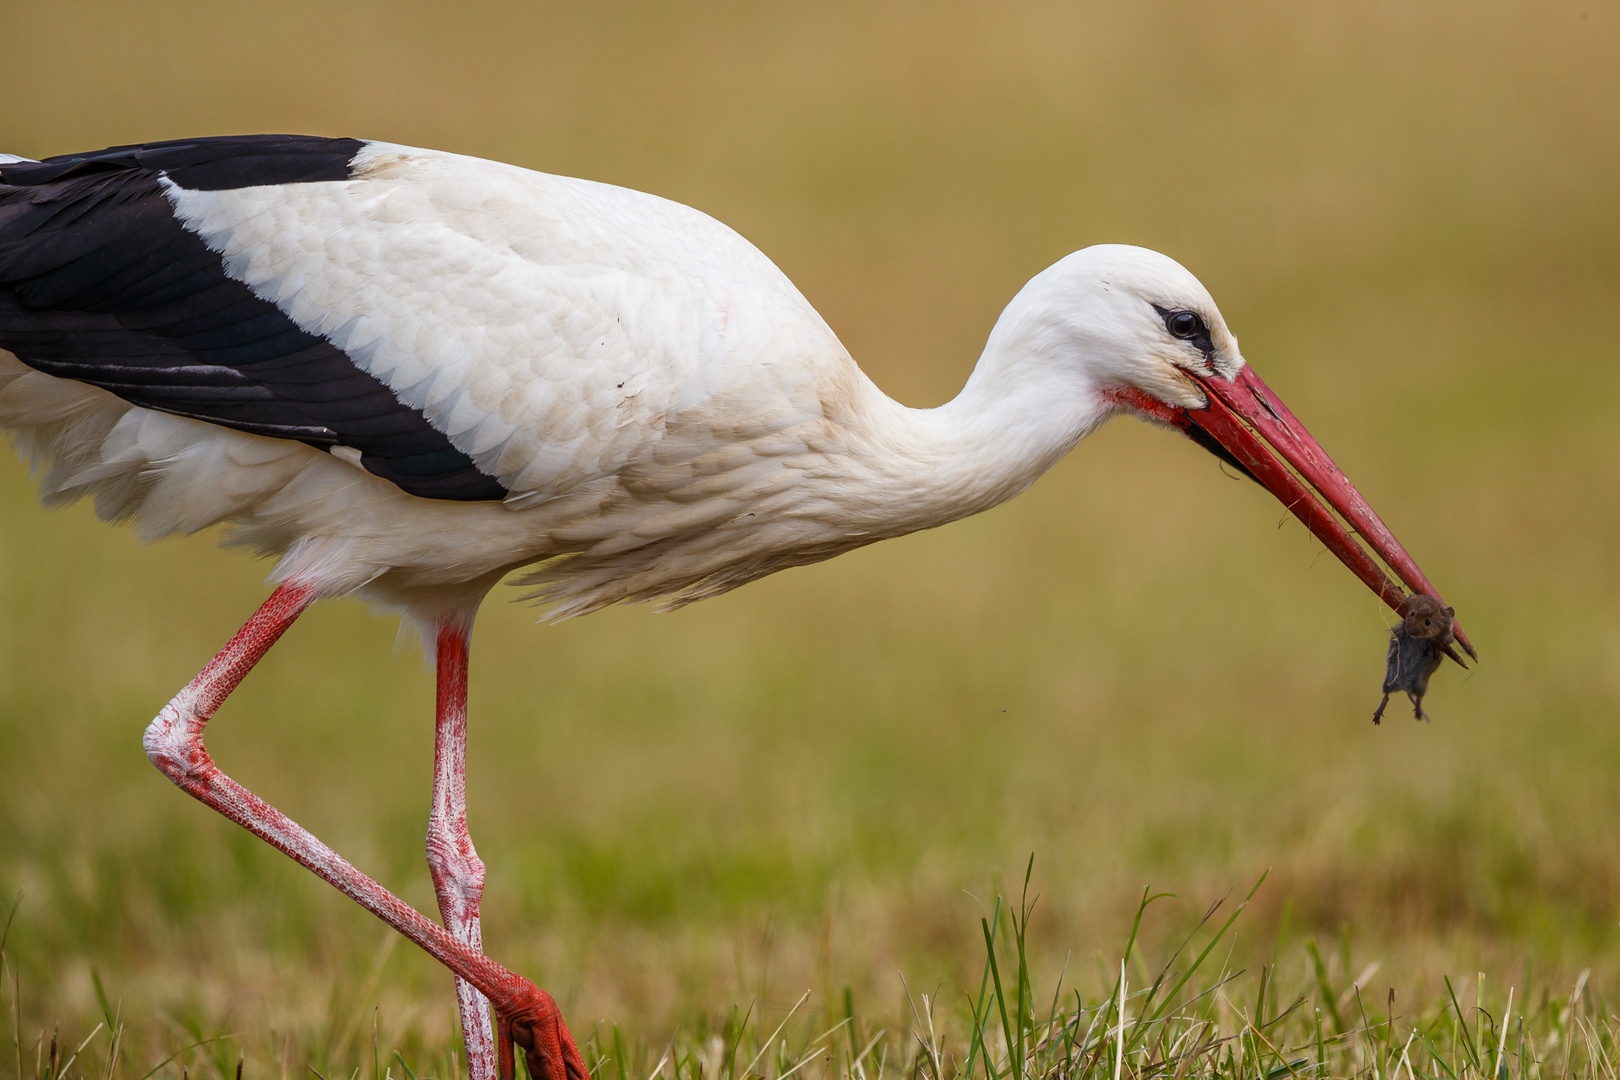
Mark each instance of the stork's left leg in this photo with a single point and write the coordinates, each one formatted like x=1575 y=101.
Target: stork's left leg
x=525 y=1014
x=458 y=873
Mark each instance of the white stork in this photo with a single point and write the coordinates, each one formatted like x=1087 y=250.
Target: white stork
x=406 y=374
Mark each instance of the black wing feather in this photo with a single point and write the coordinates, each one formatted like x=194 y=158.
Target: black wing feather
x=99 y=282
x=208 y=164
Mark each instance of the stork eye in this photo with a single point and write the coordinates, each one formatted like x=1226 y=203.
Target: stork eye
x=1184 y=324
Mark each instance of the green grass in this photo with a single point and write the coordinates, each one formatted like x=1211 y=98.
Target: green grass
x=1187 y=1013
x=1407 y=214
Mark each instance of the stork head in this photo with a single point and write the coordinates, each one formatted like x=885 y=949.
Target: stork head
x=1147 y=339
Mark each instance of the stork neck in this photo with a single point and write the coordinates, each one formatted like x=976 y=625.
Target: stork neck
x=1014 y=420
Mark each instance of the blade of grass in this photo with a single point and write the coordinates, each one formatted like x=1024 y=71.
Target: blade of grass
x=873 y=1041
x=1119 y=1043
x=1015 y=1067
x=80 y=1049
x=1329 y=998
x=200 y=1042
x=1025 y=995
x=1096 y=1015
x=1500 y=1071
x=1057 y=995
x=1287 y=1066
x=1321 y=1054
x=1434 y=1055
x=981 y=1011
x=930 y=1045
x=101 y=997
x=118 y=1045
x=768 y=1042
x=980 y=1044
x=1405 y=1060
x=730 y=1064
x=849 y=1018
x=1068 y=1037
x=1462 y=1027
x=810 y=1053
x=16 y=984
x=1260 y=1000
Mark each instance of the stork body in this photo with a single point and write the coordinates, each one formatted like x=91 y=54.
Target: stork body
x=406 y=374
x=610 y=376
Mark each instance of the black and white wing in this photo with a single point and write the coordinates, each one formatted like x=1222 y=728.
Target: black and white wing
x=471 y=330
x=102 y=283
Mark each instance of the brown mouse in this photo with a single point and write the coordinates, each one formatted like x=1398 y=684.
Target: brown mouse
x=1416 y=645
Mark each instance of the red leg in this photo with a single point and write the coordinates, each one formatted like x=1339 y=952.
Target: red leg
x=174 y=741
x=458 y=872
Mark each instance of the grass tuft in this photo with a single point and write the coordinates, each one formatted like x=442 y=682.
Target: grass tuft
x=1188 y=1022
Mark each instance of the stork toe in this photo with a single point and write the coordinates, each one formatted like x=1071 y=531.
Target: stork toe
x=529 y=1017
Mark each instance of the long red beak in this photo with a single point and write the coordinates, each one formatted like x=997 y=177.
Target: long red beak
x=1252 y=424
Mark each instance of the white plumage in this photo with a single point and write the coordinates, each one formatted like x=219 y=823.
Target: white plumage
x=666 y=409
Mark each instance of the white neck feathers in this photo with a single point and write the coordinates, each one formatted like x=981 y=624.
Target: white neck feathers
x=1023 y=408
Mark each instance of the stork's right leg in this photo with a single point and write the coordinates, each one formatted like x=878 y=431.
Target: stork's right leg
x=174 y=741
x=458 y=872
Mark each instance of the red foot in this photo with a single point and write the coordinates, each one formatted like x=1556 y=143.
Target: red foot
x=527 y=1015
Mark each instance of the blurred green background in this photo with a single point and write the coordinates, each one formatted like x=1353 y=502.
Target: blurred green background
x=1138 y=671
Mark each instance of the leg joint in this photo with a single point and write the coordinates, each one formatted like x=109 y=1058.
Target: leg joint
x=173 y=740
x=452 y=858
